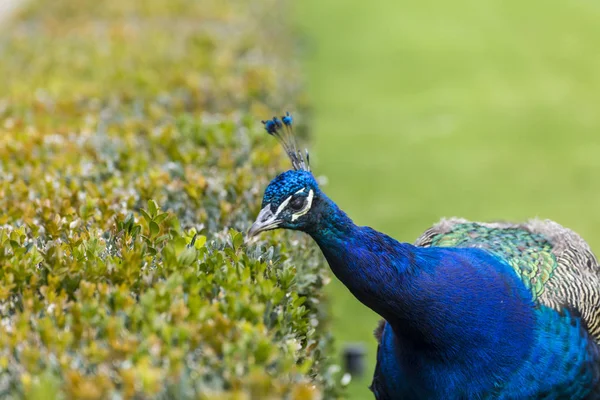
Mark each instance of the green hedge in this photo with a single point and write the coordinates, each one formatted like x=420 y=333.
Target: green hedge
x=131 y=160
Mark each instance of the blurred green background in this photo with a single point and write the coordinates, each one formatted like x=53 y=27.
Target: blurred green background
x=485 y=110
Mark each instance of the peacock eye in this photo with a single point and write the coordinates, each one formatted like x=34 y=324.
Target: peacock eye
x=297 y=203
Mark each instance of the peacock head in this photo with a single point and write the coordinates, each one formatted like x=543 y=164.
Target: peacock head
x=291 y=198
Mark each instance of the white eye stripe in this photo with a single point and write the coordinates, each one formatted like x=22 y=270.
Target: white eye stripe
x=300 y=213
x=306 y=208
x=282 y=206
x=285 y=202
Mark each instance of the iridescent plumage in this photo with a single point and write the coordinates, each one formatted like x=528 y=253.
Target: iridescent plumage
x=554 y=262
x=471 y=311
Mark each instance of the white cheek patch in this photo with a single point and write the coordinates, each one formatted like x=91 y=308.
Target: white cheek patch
x=282 y=206
x=306 y=208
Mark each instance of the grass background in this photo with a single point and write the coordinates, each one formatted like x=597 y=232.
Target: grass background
x=485 y=110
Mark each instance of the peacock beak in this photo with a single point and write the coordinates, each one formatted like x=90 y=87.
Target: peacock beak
x=265 y=221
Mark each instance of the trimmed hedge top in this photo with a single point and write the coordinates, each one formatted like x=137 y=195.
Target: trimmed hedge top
x=131 y=160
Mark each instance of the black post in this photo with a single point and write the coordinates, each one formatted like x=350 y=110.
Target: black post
x=354 y=359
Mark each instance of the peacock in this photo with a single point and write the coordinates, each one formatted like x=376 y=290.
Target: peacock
x=472 y=310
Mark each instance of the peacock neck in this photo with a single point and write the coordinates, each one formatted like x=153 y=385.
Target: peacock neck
x=357 y=256
x=461 y=309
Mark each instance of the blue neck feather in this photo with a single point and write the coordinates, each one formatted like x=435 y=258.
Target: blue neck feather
x=461 y=315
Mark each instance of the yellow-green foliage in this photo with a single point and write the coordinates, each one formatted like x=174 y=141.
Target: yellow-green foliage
x=131 y=160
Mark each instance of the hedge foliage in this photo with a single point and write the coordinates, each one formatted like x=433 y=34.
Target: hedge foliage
x=131 y=160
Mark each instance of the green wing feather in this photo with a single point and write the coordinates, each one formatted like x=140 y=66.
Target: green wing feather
x=529 y=254
x=554 y=262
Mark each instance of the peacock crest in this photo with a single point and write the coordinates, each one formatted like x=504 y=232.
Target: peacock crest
x=283 y=130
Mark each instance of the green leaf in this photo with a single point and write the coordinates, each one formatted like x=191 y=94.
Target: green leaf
x=128 y=222
x=179 y=243
x=188 y=256
x=162 y=238
x=145 y=214
x=135 y=230
x=299 y=301
x=200 y=241
x=152 y=208
x=154 y=228
x=160 y=217
x=237 y=239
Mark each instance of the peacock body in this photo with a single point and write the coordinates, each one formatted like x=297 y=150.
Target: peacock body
x=471 y=310
x=561 y=275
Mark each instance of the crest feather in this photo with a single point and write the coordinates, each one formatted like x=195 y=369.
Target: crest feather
x=283 y=131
